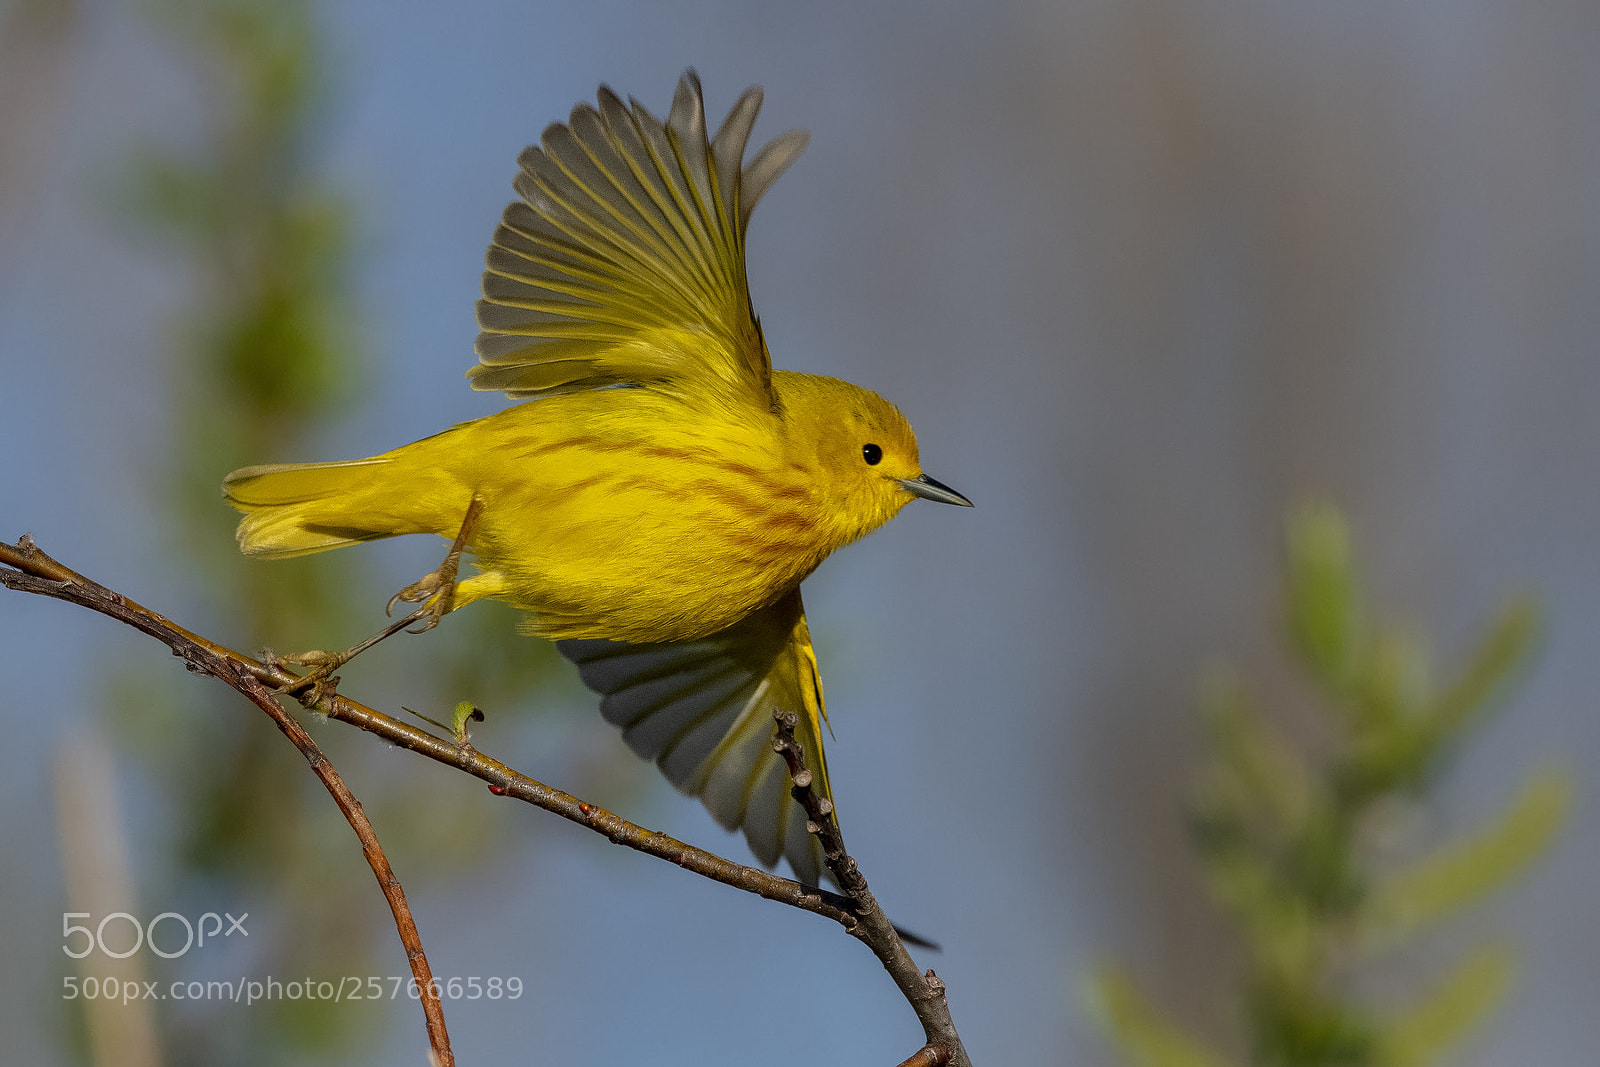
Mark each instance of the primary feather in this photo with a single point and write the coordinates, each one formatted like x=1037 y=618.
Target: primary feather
x=701 y=710
x=624 y=260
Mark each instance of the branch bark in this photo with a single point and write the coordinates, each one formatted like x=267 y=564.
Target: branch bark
x=924 y=992
x=38 y=573
x=26 y=568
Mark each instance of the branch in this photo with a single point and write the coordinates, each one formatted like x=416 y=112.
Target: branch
x=38 y=573
x=433 y=1010
x=858 y=912
x=925 y=992
x=929 y=1056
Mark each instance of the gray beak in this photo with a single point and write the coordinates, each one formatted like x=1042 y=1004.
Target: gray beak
x=929 y=489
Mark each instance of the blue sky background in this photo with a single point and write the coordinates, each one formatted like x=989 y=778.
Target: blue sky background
x=1139 y=274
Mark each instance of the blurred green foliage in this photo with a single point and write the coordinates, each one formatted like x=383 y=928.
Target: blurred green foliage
x=266 y=356
x=1286 y=834
x=263 y=355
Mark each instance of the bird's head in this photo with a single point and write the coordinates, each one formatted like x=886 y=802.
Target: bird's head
x=864 y=453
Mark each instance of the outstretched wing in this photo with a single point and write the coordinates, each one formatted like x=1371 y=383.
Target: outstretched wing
x=624 y=260
x=702 y=710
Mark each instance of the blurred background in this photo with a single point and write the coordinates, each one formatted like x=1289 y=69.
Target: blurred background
x=1141 y=274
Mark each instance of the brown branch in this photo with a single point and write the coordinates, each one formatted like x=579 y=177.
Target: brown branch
x=503 y=781
x=38 y=573
x=857 y=912
x=929 y=1056
x=433 y=1010
x=925 y=992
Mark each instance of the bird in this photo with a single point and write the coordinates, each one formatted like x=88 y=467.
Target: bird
x=660 y=492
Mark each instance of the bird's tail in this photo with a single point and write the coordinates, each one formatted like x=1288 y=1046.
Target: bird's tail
x=294 y=509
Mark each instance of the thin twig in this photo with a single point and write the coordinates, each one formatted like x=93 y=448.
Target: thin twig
x=41 y=574
x=858 y=912
x=503 y=781
x=929 y=1056
x=925 y=992
x=433 y=1010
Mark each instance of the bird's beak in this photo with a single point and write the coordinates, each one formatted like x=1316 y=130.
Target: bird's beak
x=928 y=489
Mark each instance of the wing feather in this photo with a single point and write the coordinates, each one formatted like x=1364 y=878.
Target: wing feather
x=777 y=156
x=623 y=261
x=702 y=710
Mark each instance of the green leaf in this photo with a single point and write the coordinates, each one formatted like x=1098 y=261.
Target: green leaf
x=1324 y=608
x=1136 y=1027
x=1386 y=749
x=1465 y=871
x=466 y=711
x=1394 y=682
x=1256 y=773
x=1460 y=1002
x=1495 y=660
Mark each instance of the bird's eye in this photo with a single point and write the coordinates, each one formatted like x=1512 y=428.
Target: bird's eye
x=872 y=454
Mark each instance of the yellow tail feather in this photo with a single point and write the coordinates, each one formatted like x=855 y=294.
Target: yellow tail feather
x=295 y=509
x=274 y=484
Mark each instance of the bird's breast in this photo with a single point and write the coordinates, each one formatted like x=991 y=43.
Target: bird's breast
x=636 y=538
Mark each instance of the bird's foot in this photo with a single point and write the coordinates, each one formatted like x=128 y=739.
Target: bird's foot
x=322 y=664
x=435 y=591
x=437 y=588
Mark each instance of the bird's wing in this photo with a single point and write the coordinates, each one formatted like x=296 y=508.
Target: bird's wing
x=702 y=710
x=623 y=263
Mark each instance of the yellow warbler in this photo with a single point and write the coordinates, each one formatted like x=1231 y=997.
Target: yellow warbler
x=657 y=503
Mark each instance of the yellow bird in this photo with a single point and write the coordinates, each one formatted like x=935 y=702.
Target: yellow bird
x=657 y=502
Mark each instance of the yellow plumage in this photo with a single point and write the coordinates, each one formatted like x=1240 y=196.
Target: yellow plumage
x=658 y=503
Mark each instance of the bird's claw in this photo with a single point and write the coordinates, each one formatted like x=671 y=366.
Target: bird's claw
x=428 y=623
x=437 y=588
x=417 y=592
x=434 y=587
x=322 y=665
